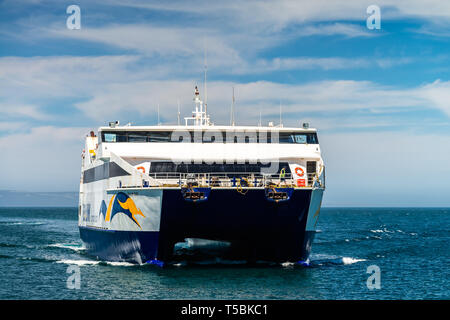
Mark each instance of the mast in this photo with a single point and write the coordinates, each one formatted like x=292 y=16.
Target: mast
x=199 y=116
x=158 y=116
x=260 y=122
x=232 y=109
x=178 y=101
x=281 y=122
x=204 y=84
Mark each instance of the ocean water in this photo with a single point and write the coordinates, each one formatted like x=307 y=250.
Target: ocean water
x=409 y=245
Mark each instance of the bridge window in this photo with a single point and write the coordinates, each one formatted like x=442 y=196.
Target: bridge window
x=208 y=137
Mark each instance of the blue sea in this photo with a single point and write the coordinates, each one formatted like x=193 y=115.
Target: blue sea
x=410 y=246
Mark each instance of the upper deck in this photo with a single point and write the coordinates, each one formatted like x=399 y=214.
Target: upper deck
x=211 y=143
x=208 y=134
x=172 y=153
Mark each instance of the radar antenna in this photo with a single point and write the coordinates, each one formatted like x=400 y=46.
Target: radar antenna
x=199 y=116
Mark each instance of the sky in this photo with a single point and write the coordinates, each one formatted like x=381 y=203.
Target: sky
x=380 y=98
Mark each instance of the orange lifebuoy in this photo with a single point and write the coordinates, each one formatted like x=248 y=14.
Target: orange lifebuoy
x=302 y=172
x=143 y=169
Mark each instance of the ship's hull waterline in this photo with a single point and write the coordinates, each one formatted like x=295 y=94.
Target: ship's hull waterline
x=256 y=229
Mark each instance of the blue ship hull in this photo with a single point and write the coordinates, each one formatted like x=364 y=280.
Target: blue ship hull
x=256 y=228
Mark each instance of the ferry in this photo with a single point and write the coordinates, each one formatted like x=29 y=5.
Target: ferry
x=146 y=190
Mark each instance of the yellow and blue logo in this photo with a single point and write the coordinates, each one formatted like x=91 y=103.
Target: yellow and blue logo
x=121 y=203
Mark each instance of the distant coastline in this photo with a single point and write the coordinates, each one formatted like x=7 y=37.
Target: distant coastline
x=9 y=198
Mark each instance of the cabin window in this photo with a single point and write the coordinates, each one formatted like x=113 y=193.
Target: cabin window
x=300 y=138
x=159 y=136
x=209 y=137
x=122 y=137
x=137 y=138
x=109 y=137
x=311 y=138
x=215 y=168
x=114 y=137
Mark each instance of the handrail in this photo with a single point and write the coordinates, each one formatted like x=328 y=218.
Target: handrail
x=227 y=179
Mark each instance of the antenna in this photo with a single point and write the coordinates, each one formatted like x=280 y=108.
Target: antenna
x=158 y=115
x=232 y=109
x=204 y=84
x=178 y=111
x=281 y=122
x=260 y=122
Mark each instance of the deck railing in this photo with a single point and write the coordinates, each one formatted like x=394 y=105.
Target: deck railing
x=221 y=179
x=230 y=180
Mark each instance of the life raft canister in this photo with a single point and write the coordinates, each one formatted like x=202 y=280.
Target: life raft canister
x=299 y=171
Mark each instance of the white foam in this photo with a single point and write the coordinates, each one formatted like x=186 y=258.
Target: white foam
x=79 y=262
x=24 y=223
x=180 y=264
x=96 y=262
x=384 y=230
x=74 y=247
x=288 y=264
x=349 y=260
x=121 y=264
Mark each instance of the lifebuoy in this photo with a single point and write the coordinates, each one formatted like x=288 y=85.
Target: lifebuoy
x=299 y=171
x=141 y=168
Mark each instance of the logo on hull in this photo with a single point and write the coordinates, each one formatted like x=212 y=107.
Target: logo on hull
x=121 y=203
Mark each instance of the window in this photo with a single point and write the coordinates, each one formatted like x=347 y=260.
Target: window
x=114 y=137
x=211 y=137
x=301 y=138
x=159 y=137
x=137 y=137
x=122 y=137
x=216 y=168
x=109 y=137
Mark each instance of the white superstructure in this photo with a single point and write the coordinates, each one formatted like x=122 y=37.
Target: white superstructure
x=140 y=162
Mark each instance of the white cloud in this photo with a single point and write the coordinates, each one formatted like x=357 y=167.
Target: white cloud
x=183 y=44
x=7 y=126
x=116 y=100
x=278 y=14
x=438 y=93
x=330 y=29
x=44 y=159
x=56 y=77
x=310 y=63
x=177 y=48
x=21 y=111
x=305 y=17
x=112 y=86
